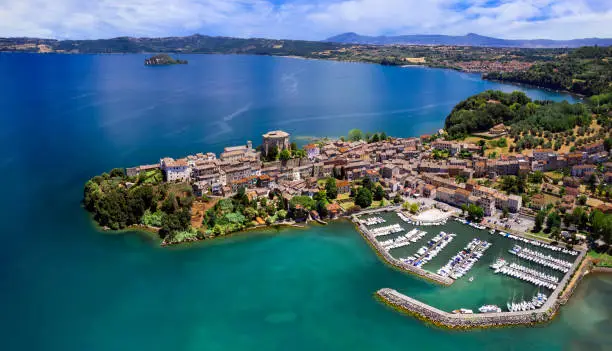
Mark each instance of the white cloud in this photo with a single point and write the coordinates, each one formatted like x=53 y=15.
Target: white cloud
x=305 y=19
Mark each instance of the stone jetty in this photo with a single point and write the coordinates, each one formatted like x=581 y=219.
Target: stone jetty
x=462 y=321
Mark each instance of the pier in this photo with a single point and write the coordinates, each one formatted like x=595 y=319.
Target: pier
x=461 y=263
x=540 y=258
x=390 y=229
x=404 y=240
x=426 y=253
x=529 y=275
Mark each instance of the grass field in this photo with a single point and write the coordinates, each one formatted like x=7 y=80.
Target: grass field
x=602 y=259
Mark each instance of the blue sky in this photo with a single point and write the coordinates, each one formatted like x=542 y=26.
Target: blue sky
x=305 y=19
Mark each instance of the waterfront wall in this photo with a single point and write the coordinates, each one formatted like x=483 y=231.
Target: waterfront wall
x=602 y=270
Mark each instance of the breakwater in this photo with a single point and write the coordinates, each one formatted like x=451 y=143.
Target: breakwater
x=387 y=257
x=462 y=321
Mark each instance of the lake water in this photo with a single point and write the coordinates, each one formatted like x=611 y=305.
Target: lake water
x=66 y=286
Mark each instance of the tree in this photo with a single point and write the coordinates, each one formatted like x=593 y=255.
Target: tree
x=483 y=146
x=250 y=213
x=475 y=213
x=379 y=193
x=363 y=198
x=608 y=143
x=375 y=138
x=320 y=195
x=367 y=183
x=553 y=221
x=285 y=155
x=272 y=153
x=536 y=177
x=305 y=201
x=117 y=173
x=601 y=225
x=592 y=182
x=322 y=208
x=505 y=212
x=293 y=146
x=331 y=189
x=397 y=199
x=414 y=207
x=355 y=135
x=539 y=221
x=281 y=214
x=383 y=136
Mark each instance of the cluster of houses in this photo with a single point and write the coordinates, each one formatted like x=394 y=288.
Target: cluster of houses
x=403 y=166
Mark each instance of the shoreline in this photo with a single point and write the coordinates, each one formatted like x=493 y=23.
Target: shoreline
x=407 y=305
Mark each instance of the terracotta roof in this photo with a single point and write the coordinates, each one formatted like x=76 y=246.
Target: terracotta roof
x=333 y=207
x=342 y=183
x=462 y=192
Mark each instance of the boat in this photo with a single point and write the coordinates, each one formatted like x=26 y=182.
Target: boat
x=471 y=279
x=463 y=311
x=489 y=309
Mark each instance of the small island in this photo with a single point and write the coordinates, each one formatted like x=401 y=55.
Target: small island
x=162 y=60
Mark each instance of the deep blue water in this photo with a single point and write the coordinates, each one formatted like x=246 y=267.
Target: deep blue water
x=66 y=286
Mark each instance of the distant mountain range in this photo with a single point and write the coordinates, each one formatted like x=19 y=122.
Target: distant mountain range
x=465 y=40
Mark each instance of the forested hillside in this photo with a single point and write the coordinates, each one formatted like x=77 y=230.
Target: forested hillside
x=586 y=71
x=482 y=111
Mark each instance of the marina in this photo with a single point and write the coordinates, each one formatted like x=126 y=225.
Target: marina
x=468 y=253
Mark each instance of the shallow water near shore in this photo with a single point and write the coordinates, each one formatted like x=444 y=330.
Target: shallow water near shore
x=67 y=286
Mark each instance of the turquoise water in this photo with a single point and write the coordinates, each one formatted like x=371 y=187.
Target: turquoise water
x=66 y=286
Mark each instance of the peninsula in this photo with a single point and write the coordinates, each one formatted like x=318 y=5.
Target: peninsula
x=535 y=172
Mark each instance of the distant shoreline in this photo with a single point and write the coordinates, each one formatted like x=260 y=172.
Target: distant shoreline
x=578 y=96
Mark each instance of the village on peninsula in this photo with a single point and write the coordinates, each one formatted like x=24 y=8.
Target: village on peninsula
x=543 y=205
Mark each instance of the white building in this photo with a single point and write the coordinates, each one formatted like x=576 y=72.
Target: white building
x=175 y=170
